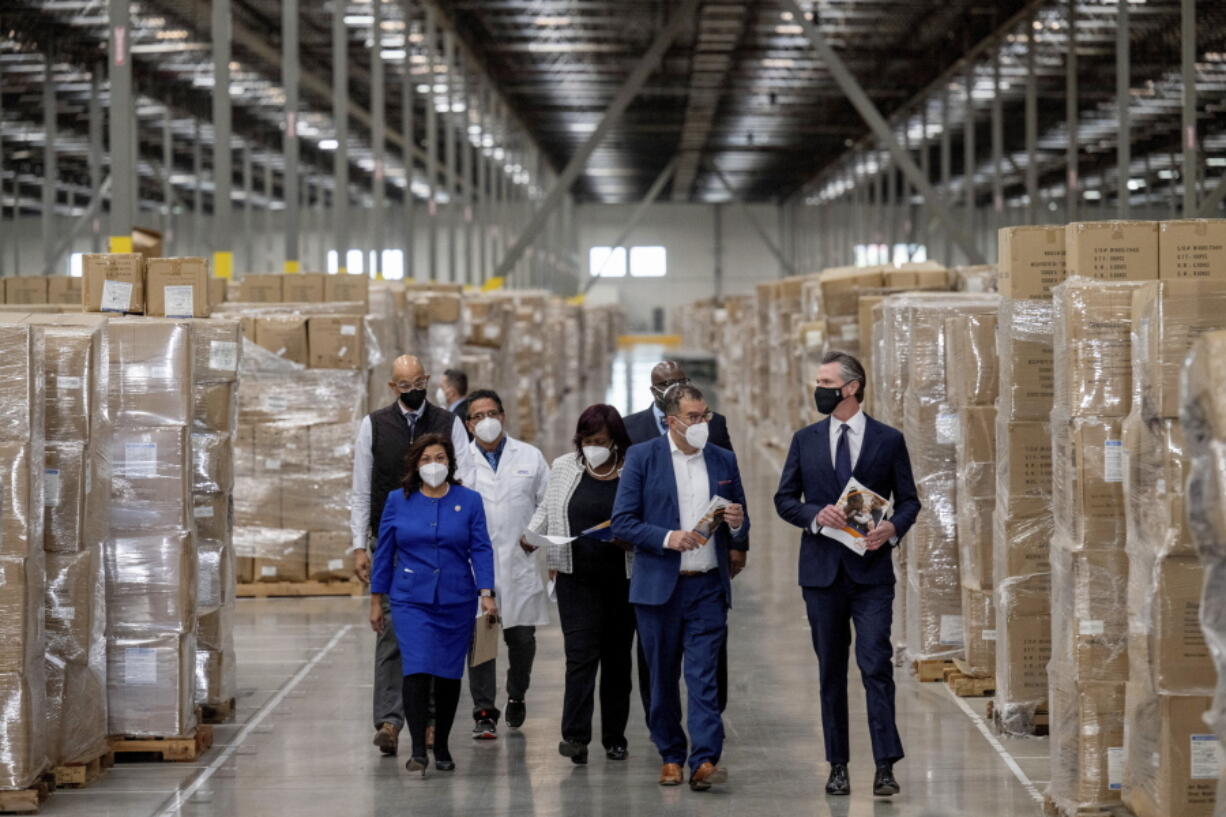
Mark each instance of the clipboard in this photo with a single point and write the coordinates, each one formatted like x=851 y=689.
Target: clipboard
x=485 y=641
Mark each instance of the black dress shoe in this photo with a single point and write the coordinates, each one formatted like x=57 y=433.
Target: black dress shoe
x=884 y=784
x=617 y=753
x=577 y=752
x=838 y=785
x=443 y=761
x=516 y=714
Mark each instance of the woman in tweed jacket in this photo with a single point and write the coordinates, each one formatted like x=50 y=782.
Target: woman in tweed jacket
x=593 y=586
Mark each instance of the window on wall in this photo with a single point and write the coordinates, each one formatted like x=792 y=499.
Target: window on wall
x=868 y=255
x=359 y=263
x=639 y=262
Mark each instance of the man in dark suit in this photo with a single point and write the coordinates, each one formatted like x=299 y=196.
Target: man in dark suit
x=649 y=424
x=681 y=584
x=841 y=587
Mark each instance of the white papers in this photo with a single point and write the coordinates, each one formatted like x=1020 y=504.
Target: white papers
x=864 y=510
x=712 y=517
x=540 y=541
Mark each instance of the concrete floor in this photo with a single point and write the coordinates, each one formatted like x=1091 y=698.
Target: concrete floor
x=301 y=742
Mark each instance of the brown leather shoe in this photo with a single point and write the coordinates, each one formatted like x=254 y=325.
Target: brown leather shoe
x=708 y=775
x=670 y=775
x=388 y=739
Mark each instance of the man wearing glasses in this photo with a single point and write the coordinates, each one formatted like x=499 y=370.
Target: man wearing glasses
x=649 y=424
x=681 y=583
x=383 y=441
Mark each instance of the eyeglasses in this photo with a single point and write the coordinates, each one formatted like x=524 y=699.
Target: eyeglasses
x=484 y=415
x=691 y=419
x=419 y=383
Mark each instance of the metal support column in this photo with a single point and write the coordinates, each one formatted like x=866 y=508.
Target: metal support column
x=1123 y=100
x=289 y=78
x=168 y=169
x=466 y=170
x=407 y=126
x=483 y=199
x=269 y=252
x=340 y=116
x=451 y=142
x=1031 y=124
x=682 y=17
x=95 y=148
x=1190 y=140
x=199 y=240
x=947 y=169
x=1073 y=151
x=223 y=169
x=248 y=213
x=51 y=171
x=123 y=190
x=969 y=158
x=928 y=200
x=378 y=136
x=998 y=144
x=431 y=42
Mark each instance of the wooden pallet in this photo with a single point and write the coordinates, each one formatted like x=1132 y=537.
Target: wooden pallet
x=80 y=775
x=217 y=713
x=969 y=686
x=264 y=590
x=27 y=801
x=1052 y=810
x=928 y=670
x=177 y=749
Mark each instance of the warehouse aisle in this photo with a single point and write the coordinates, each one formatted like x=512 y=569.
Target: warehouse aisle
x=302 y=744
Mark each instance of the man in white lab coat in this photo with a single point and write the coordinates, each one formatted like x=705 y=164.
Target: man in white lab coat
x=511 y=477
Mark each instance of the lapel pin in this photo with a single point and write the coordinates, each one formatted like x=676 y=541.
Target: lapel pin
x=457 y=508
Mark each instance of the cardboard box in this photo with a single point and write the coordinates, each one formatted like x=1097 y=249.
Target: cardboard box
x=1023 y=645
x=1192 y=249
x=972 y=374
x=213 y=582
x=216 y=406
x=444 y=309
x=151 y=479
x=282 y=558
x=21 y=499
x=218 y=289
x=75 y=601
x=1090 y=613
x=262 y=289
x=216 y=350
x=979 y=615
x=976 y=452
x=305 y=288
x=328 y=556
x=257 y=503
x=1021 y=546
x=975 y=546
x=1031 y=261
x=347 y=288
x=1167 y=318
x=212 y=462
x=25 y=289
x=1113 y=250
x=21 y=383
x=150 y=372
x=151 y=583
x=1178 y=653
x=149 y=684
x=316 y=502
x=25 y=739
x=331 y=448
x=113 y=282
x=1088 y=501
x=21 y=611
x=75 y=379
x=843 y=286
x=177 y=287
x=1093 y=345
x=76 y=487
x=336 y=342
x=285 y=336
x=213 y=515
x=281 y=451
x=64 y=290
x=916 y=276
x=1027 y=384
x=1025 y=453
x=147 y=242
x=1174 y=759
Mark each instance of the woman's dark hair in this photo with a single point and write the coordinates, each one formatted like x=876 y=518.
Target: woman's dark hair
x=601 y=417
x=412 y=479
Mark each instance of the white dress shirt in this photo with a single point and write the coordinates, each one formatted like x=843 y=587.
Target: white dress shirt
x=693 y=495
x=855 y=440
x=364 y=463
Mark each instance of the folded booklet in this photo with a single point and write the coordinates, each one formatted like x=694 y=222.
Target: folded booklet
x=712 y=517
x=864 y=510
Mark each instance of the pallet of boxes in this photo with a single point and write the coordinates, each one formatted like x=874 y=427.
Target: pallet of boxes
x=302 y=392
x=1031 y=263
x=1176 y=697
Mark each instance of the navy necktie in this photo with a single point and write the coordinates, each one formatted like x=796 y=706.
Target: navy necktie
x=412 y=418
x=842 y=458
x=663 y=425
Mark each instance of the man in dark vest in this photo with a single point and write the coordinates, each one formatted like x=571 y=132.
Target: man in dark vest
x=378 y=467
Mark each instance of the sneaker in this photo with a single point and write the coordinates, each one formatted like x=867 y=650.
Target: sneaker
x=516 y=713
x=485 y=727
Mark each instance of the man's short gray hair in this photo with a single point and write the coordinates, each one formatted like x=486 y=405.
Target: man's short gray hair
x=851 y=369
x=674 y=396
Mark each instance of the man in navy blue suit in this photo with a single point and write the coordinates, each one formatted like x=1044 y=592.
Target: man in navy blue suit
x=681 y=585
x=841 y=587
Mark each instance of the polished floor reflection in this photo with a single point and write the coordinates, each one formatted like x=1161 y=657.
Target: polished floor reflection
x=301 y=745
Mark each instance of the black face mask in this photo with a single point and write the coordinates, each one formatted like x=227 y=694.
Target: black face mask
x=827 y=398
x=413 y=399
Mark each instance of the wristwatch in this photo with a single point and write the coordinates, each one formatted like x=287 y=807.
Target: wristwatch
x=487 y=594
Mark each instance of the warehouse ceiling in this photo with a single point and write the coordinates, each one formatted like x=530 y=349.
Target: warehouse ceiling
x=741 y=90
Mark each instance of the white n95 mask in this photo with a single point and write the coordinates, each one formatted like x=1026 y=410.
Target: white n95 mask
x=697 y=434
x=488 y=430
x=596 y=455
x=433 y=474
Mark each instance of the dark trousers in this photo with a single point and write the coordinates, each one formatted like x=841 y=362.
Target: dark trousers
x=598 y=634
x=721 y=679
x=483 y=679
x=687 y=629
x=832 y=611
x=388 y=703
x=422 y=693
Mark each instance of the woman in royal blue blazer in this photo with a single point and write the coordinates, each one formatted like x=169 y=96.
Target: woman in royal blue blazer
x=434 y=560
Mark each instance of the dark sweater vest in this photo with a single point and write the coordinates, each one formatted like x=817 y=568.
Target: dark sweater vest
x=389 y=444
